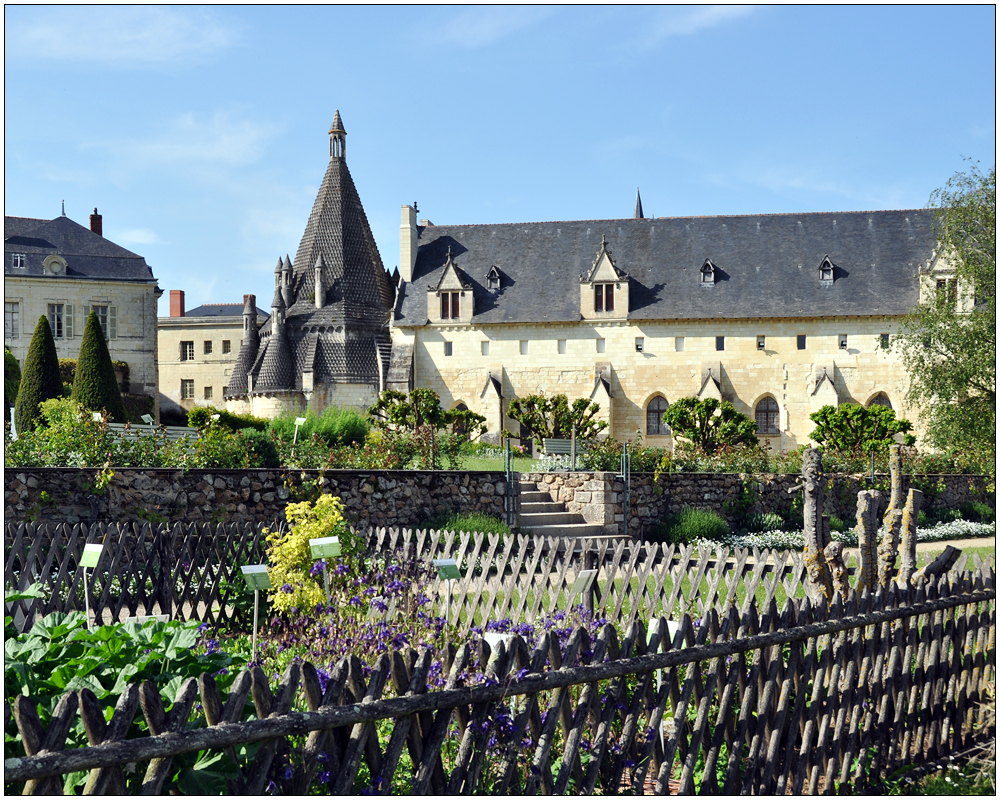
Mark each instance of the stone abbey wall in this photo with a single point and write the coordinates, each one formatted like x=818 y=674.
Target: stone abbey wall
x=406 y=498
x=383 y=498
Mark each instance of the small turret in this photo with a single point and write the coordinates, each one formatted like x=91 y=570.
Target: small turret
x=238 y=381
x=638 y=205
x=286 y=282
x=318 y=283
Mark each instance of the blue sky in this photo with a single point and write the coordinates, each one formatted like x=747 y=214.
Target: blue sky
x=201 y=133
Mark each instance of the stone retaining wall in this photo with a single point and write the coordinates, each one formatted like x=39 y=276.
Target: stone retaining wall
x=598 y=495
x=376 y=498
x=406 y=498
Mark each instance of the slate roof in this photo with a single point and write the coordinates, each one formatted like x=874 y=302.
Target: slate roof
x=338 y=230
x=87 y=254
x=222 y=310
x=767 y=265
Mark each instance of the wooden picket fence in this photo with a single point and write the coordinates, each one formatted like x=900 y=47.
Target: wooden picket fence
x=811 y=699
x=191 y=572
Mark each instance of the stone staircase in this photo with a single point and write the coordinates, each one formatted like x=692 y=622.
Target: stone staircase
x=540 y=516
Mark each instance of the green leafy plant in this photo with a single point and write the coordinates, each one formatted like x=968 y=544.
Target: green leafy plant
x=40 y=378
x=294 y=581
x=689 y=525
x=474 y=522
x=949 y=345
x=200 y=417
x=58 y=655
x=974 y=511
x=711 y=425
x=555 y=418
x=856 y=430
x=95 y=386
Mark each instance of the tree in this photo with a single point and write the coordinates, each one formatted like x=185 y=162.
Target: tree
x=422 y=408
x=948 y=344
x=95 y=386
x=555 y=418
x=851 y=428
x=40 y=378
x=11 y=380
x=710 y=425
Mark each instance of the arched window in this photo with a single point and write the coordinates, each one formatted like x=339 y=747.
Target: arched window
x=767 y=416
x=655 y=426
x=881 y=399
x=459 y=426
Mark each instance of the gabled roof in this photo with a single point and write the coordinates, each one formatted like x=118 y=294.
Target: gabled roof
x=87 y=254
x=766 y=265
x=222 y=310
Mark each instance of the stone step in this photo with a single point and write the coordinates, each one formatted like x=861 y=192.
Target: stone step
x=542 y=508
x=573 y=530
x=535 y=497
x=561 y=517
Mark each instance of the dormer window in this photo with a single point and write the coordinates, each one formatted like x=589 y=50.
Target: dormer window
x=604 y=297
x=708 y=273
x=451 y=300
x=493 y=279
x=18 y=260
x=826 y=271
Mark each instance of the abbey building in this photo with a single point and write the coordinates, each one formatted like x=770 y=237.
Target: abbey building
x=779 y=314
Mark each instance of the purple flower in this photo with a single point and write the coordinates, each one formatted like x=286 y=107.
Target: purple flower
x=287 y=588
x=521 y=673
x=324 y=777
x=317 y=568
x=354 y=601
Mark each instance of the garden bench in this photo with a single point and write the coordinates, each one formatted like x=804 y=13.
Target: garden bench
x=173 y=432
x=564 y=447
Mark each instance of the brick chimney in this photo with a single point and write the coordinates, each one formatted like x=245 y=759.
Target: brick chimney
x=95 y=223
x=176 y=303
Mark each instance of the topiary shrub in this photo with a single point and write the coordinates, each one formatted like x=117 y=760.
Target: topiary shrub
x=95 y=385
x=40 y=378
x=11 y=380
x=688 y=525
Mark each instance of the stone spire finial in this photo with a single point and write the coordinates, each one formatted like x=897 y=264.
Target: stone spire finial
x=638 y=205
x=338 y=137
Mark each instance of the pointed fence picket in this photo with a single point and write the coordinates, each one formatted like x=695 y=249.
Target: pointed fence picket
x=806 y=698
x=191 y=572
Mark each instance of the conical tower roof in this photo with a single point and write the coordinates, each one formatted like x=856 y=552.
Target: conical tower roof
x=248 y=350
x=638 y=205
x=338 y=230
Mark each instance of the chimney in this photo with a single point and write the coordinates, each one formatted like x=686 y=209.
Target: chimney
x=95 y=223
x=176 y=303
x=407 y=243
x=245 y=299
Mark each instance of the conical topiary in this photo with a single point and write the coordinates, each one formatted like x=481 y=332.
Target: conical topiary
x=39 y=379
x=95 y=386
x=11 y=380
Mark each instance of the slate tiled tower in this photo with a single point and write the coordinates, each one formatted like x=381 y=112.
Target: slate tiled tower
x=327 y=340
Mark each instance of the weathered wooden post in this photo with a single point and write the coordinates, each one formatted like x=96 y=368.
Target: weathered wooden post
x=908 y=540
x=833 y=552
x=896 y=499
x=867 y=531
x=888 y=547
x=813 y=528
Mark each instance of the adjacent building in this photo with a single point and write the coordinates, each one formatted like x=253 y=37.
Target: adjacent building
x=198 y=351
x=779 y=314
x=60 y=269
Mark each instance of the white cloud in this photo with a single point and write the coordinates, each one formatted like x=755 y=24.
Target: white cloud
x=478 y=27
x=115 y=35
x=138 y=236
x=687 y=21
x=188 y=140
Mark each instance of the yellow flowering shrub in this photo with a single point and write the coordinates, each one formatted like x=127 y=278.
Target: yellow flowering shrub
x=295 y=582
